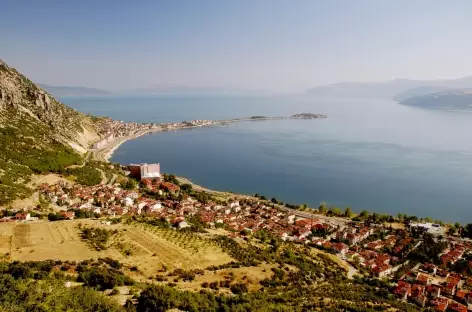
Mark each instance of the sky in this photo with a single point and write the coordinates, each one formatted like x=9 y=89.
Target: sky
x=279 y=46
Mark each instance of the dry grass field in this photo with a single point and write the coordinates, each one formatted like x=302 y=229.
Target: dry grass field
x=146 y=247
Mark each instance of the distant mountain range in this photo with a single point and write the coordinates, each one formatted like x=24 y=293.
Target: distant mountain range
x=445 y=93
x=197 y=91
x=452 y=94
x=390 y=89
x=73 y=91
x=60 y=91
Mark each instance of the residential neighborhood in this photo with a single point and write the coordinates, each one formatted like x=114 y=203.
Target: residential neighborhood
x=378 y=250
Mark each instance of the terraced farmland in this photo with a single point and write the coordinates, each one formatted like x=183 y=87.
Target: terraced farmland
x=149 y=248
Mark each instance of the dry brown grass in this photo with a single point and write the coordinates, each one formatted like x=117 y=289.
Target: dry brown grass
x=151 y=248
x=396 y=225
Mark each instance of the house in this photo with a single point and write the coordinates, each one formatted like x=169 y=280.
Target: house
x=303 y=235
x=410 y=277
x=69 y=215
x=433 y=291
x=461 y=296
x=182 y=225
x=156 y=206
x=291 y=219
x=457 y=307
x=23 y=216
x=449 y=289
x=382 y=270
x=128 y=202
x=422 y=279
x=442 y=272
x=403 y=290
x=429 y=267
x=417 y=295
x=420 y=300
x=339 y=248
x=452 y=283
x=169 y=187
x=440 y=304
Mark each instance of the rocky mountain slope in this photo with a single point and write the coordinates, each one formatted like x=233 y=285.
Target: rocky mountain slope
x=38 y=134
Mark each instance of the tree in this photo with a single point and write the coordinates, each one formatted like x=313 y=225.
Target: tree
x=303 y=207
x=128 y=184
x=348 y=212
x=400 y=217
x=468 y=230
x=245 y=232
x=322 y=209
x=364 y=214
x=187 y=188
x=55 y=216
x=238 y=288
x=334 y=211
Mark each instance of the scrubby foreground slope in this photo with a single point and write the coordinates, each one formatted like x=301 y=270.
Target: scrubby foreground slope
x=38 y=134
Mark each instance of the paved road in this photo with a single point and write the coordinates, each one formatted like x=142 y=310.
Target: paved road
x=303 y=214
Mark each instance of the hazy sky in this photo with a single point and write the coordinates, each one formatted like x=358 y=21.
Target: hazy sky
x=256 y=44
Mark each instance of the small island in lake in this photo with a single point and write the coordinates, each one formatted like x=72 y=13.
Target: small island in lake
x=308 y=116
x=296 y=116
x=258 y=117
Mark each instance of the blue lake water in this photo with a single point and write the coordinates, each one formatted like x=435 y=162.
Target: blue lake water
x=368 y=154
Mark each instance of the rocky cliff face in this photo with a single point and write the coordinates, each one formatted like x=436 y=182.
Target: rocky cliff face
x=20 y=96
x=38 y=134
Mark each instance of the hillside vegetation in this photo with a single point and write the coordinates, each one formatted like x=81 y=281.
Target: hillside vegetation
x=38 y=134
x=450 y=100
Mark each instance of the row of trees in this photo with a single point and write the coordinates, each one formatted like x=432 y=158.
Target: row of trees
x=364 y=215
x=97 y=237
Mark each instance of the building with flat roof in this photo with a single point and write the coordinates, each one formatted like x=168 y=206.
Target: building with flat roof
x=145 y=171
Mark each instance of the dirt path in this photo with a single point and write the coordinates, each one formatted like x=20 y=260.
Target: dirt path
x=104 y=176
x=86 y=159
x=112 y=180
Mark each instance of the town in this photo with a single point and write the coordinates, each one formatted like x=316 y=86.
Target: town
x=110 y=129
x=425 y=264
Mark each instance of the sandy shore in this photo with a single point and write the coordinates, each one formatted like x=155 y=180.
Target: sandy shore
x=104 y=154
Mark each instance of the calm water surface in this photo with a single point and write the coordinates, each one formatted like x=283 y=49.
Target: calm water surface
x=369 y=154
